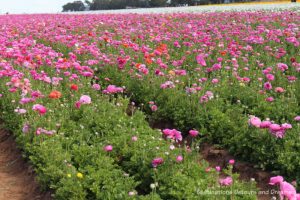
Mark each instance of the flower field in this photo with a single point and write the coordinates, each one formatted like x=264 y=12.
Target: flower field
x=79 y=93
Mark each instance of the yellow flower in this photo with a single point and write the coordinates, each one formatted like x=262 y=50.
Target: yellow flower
x=69 y=175
x=79 y=175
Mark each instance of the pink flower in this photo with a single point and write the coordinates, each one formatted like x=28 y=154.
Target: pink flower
x=193 y=133
x=275 y=127
x=279 y=90
x=157 y=161
x=254 y=121
x=282 y=67
x=85 y=99
x=172 y=134
x=134 y=138
x=154 y=108
x=270 y=77
x=41 y=109
x=226 y=181
x=179 y=159
x=218 y=168
x=26 y=128
x=265 y=124
x=96 y=87
x=268 y=86
x=231 y=162
x=77 y=104
x=276 y=180
x=200 y=60
x=269 y=99
x=297 y=118
x=286 y=126
x=215 y=81
x=108 y=148
x=287 y=191
x=112 y=89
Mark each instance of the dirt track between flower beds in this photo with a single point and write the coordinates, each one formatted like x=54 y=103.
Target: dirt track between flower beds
x=16 y=177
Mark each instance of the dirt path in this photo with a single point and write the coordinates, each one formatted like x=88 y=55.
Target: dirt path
x=220 y=157
x=16 y=178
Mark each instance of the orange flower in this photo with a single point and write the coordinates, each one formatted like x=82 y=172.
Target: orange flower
x=54 y=94
x=223 y=53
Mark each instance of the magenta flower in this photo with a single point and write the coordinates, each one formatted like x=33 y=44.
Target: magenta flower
x=157 y=161
x=254 y=121
x=265 y=124
x=276 y=180
x=40 y=108
x=226 y=181
x=200 y=60
x=231 y=162
x=172 y=134
x=288 y=191
x=179 y=159
x=268 y=86
x=193 y=133
x=108 y=148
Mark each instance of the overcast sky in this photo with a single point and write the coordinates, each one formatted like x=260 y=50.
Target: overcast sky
x=32 y=6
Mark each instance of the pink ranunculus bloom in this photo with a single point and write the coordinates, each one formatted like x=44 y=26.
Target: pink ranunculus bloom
x=231 y=162
x=254 y=121
x=172 y=134
x=193 y=133
x=282 y=67
x=157 y=161
x=226 y=181
x=287 y=191
x=270 y=77
x=40 y=108
x=279 y=90
x=297 y=118
x=154 y=108
x=108 y=148
x=200 y=60
x=274 y=127
x=270 y=99
x=26 y=128
x=286 y=126
x=77 y=104
x=134 y=138
x=268 y=86
x=215 y=81
x=265 y=124
x=85 y=99
x=96 y=86
x=179 y=159
x=275 y=180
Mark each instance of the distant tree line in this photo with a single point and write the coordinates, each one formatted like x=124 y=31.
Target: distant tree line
x=121 y=4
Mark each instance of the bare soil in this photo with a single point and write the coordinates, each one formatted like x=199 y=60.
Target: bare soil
x=220 y=157
x=17 y=179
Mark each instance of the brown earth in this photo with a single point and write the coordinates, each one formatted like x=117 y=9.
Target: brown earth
x=17 y=180
x=220 y=157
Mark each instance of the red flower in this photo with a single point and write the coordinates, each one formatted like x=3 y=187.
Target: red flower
x=74 y=87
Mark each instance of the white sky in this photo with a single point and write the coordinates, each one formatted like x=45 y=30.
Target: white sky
x=32 y=6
